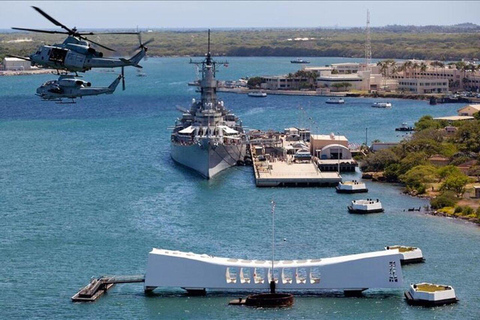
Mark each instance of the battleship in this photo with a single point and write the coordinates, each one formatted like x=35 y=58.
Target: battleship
x=208 y=138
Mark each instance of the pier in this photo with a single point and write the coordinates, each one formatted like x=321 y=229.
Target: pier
x=98 y=286
x=288 y=173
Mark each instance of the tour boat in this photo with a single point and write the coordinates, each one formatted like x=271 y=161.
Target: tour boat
x=197 y=273
x=382 y=105
x=298 y=60
x=410 y=254
x=365 y=206
x=351 y=187
x=429 y=294
x=405 y=127
x=257 y=94
x=335 y=101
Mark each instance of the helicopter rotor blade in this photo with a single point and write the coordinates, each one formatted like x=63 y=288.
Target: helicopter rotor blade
x=18 y=57
x=98 y=44
x=52 y=20
x=41 y=31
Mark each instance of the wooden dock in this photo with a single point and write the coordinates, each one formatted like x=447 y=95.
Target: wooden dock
x=98 y=286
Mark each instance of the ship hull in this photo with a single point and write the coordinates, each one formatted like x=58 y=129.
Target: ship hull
x=206 y=159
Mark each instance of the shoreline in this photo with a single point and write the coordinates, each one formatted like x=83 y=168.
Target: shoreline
x=9 y=73
x=315 y=93
x=376 y=177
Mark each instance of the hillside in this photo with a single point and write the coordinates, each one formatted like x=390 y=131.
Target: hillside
x=399 y=42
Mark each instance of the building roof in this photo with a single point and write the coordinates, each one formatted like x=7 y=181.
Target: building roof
x=474 y=106
x=329 y=137
x=342 y=77
x=455 y=118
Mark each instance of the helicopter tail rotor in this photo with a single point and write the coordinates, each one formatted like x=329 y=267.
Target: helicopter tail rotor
x=123 y=78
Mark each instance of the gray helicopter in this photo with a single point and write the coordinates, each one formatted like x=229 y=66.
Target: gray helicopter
x=72 y=87
x=75 y=53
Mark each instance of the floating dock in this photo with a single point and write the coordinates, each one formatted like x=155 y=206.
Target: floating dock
x=98 y=286
x=288 y=173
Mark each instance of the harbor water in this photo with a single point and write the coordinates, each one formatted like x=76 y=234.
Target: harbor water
x=87 y=189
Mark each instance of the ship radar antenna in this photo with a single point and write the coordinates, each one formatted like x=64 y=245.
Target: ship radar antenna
x=209 y=55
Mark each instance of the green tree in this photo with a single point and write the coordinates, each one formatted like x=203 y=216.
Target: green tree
x=418 y=177
x=254 y=82
x=426 y=122
x=377 y=161
x=455 y=183
x=445 y=199
x=444 y=172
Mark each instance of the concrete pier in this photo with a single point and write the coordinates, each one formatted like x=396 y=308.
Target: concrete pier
x=278 y=173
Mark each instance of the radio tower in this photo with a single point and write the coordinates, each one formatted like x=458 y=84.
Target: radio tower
x=368 y=43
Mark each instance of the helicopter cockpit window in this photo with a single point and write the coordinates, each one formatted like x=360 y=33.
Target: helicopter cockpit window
x=58 y=55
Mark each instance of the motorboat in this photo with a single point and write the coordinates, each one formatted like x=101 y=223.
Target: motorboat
x=351 y=187
x=365 y=206
x=405 y=127
x=257 y=94
x=382 y=105
x=335 y=101
x=430 y=294
x=410 y=254
x=298 y=60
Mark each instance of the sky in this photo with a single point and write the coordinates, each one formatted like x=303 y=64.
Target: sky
x=236 y=14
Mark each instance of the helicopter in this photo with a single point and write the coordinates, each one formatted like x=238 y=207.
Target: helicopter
x=75 y=54
x=72 y=87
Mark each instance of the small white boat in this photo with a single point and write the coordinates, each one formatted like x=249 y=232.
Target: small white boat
x=365 y=206
x=429 y=294
x=410 y=254
x=257 y=94
x=382 y=105
x=335 y=101
x=351 y=187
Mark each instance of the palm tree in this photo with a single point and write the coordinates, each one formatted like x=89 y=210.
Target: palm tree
x=407 y=65
x=415 y=66
x=423 y=67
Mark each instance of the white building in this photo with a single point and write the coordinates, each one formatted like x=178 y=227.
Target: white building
x=422 y=85
x=357 y=81
x=16 y=64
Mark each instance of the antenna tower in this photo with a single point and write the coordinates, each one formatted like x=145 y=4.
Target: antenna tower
x=368 y=43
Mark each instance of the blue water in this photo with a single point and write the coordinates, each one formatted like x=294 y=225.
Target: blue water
x=88 y=189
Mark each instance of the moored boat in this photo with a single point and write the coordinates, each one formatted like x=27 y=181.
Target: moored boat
x=298 y=60
x=382 y=105
x=335 y=101
x=351 y=187
x=430 y=294
x=405 y=127
x=208 y=138
x=257 y=94
x=410 y=254
x=365 y=206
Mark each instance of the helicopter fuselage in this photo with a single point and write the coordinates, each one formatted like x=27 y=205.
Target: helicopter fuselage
x=77 y=56
x=68 y=86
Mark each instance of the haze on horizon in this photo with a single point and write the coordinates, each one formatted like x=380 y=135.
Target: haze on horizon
x=238 y=14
